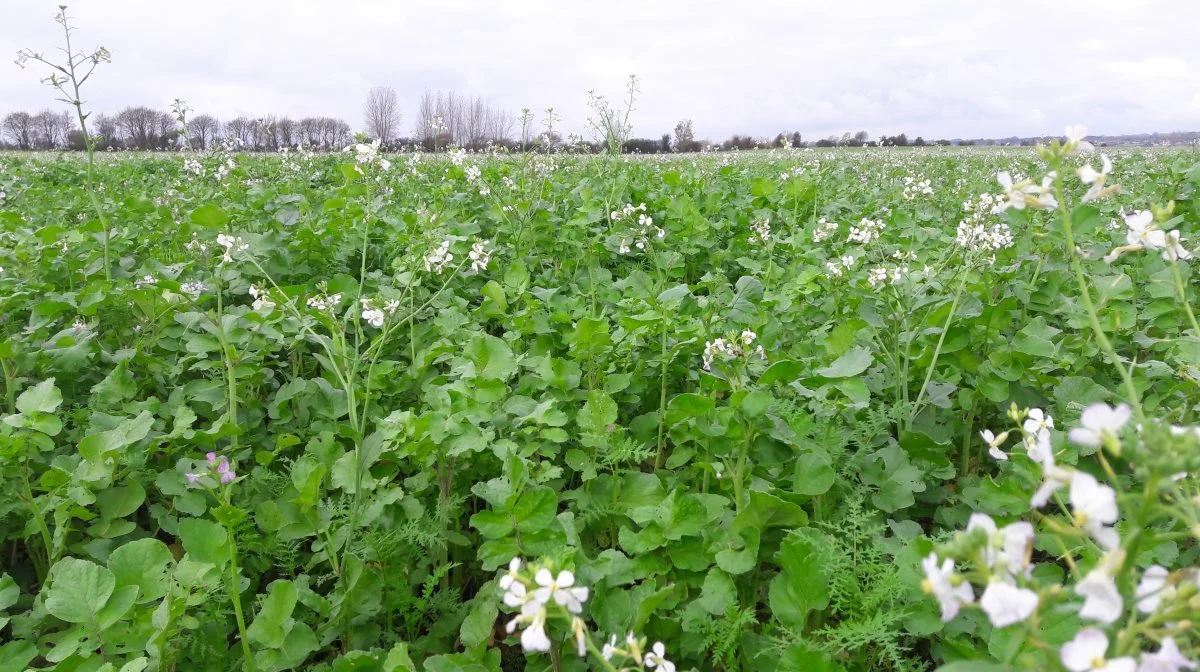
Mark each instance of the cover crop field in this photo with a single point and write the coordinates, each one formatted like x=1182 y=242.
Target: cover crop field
x=854 y=409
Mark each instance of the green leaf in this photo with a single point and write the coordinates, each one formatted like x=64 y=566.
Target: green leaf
x=79 y=590
x=688 y=405
x=855 y=361
x=204 y=540
x=398 y=659
x=477 y=626
x=210 y=217
x=492 y=357
x=755 y=403
x=142 y=563
x=783 y=371
x=41 y=398
x=598 y=412
x=802 y=586
x=131 y=430
x=535 y=509
x=718 y=592
x=271 y=624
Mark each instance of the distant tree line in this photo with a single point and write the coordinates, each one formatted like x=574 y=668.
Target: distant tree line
x=443 y=120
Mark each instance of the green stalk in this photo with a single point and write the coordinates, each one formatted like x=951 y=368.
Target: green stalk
x=1187 y=307
x=235 y=596
x=1086 y=295
x=937 y=351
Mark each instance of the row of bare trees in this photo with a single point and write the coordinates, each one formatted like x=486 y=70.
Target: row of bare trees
x=146 y=128
x=466 y=121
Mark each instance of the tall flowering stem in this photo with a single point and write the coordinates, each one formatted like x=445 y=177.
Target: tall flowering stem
x=1086 y=294
x=69 y=84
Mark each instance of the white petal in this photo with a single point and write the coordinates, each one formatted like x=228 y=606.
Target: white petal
x=1088 y=646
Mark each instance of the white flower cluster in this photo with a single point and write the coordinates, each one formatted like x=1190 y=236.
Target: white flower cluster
x=886 y=275
x=480 y=256
x=145 y=281
x=231 y=244
x=377 y=315
x=867 y=231
x=760 y=231
x=1143 y=234
x=1096 y=180
x=1024 y=193
x=640 y=233
x=915 y=186
x=458 y=156
x=535 y=596
x=837 y=268
x=195 y=289
x=196 y=245
x=974 y=234
x=325 y=302
x=731 y=348
x=191 y=165
x=262 y=299
x=532 y=600
x=825 y=229
x=1003 y=559
x=224 y=168
x=439 y=259
x=366 y=154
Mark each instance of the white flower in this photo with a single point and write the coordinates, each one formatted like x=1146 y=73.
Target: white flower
x=479 y=256
x=1152 y=588
x=1095 y=509
x=748 y=336
x=579 y=630
x=1038 y=447
x=656 y=658
x=1100 y=422
x=1088 y=175
x=993 y=443
x=1075 y=141
x=610 y=647
x=1168 y=659
x=1053 y=478
x=1086 y=653
x=440 y=258
x=533 y=638
x=374 y=317
x=1008 y=548
x=193 y=288
x=514 y=569
x=1006 y=604
x=561 y=589
x=1173 y=247
x=1037 y=420
x=1142 y=231
x=515 y=594
x=262 y=301
x=1102 y=601
x=941 y=582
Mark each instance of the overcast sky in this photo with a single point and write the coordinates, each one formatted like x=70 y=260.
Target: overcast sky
x=937 y=68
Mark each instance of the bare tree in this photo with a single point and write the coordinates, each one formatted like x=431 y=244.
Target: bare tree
x=463 y=120
x=285 y=132
x=50 y=129
x=242 y=130
x=140 y=126
x=203 y=129
x=685 y=137
x=382 y=112
x=18 y=126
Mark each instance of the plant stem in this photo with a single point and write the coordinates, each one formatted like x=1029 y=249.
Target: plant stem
x=236 y=598
x=1086 y=295
x=937 y=351
x=1187 y=306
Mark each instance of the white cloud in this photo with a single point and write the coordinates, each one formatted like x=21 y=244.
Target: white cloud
x=938 y=68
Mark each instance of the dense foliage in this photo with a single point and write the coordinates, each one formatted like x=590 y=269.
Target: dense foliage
x=301 y=411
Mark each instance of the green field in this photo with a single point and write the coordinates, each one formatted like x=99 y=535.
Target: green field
x=301 y=411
